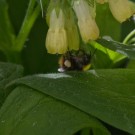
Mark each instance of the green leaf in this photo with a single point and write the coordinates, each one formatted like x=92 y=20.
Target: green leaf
x=7 y=35
x=30 y=112
x=101 y=59
x=8 y=72
x=105 y=58
x=127 y=50
x=105 y=94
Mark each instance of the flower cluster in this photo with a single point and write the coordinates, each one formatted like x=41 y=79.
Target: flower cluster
x=64 y=33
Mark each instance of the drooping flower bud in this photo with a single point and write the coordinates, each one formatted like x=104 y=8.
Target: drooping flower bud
x=121 y=9
x=87 y=25
x=56 y=40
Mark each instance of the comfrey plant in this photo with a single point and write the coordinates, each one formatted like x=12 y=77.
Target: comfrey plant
x=72 y=20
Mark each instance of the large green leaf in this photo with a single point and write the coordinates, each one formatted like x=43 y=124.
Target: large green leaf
x=127 y=50
x=28 y=112
x=106 y=94
x=8 y=72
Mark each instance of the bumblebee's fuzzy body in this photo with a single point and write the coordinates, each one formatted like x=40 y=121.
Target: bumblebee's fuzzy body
x=75 y=61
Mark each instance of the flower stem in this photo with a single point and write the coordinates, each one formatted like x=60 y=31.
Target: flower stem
x=30 y=18
x=132 y=33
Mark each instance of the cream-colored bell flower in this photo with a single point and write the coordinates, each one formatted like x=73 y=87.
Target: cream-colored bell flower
x=121 y=9
x=56 y=40
x=87 y=25
x=88 y=29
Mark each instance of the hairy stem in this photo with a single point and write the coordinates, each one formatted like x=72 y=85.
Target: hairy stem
x=30 y=18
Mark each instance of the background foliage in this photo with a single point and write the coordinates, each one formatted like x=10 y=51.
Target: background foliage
x=96 y=102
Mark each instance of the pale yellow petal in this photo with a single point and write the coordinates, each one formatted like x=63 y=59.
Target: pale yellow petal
x=88 y=29
x=120 y=9
x=87 y=25
x=56 y=40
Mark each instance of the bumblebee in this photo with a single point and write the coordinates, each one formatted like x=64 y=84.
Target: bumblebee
x=78 y=60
